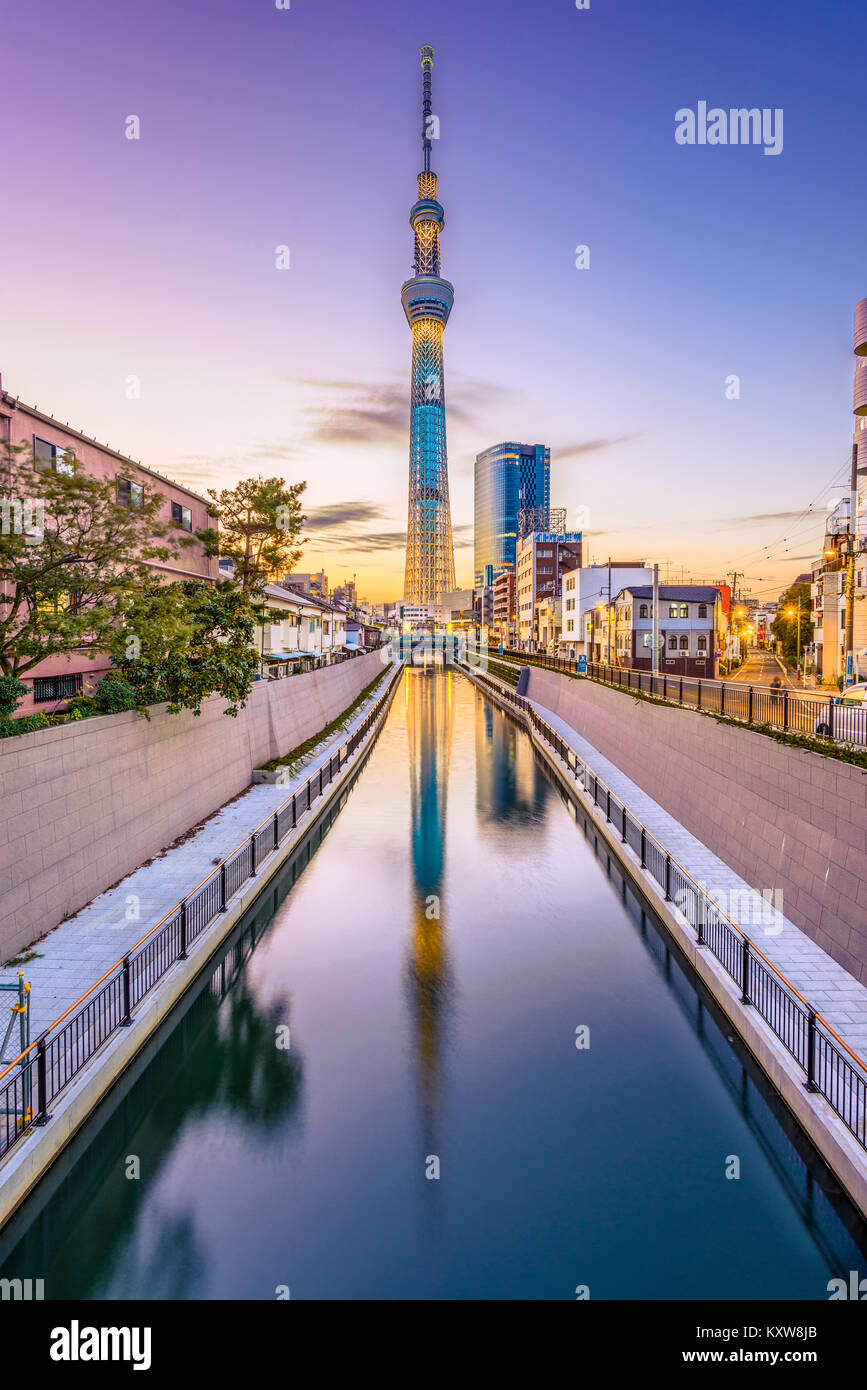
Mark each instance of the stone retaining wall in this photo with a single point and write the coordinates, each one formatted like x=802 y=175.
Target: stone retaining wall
x=782 y=818
x=84 y=804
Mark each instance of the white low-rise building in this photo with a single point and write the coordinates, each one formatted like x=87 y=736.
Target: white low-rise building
x=587 y=593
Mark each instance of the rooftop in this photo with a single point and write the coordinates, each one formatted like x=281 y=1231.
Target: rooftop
x=7 y=399
x=676 y=593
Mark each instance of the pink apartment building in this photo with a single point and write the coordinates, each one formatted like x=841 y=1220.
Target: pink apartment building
x=57 y=678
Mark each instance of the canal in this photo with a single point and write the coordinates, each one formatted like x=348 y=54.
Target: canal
x=375 y=1090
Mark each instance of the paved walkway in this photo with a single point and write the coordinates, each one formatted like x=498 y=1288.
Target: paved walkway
x=830 y=989
x=75 y=954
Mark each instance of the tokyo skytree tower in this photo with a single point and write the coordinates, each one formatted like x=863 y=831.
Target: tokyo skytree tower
x=427 y=301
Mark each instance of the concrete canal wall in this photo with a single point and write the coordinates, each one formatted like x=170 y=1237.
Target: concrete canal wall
x=84 y=804
x=826 y=1131
x=782 y=818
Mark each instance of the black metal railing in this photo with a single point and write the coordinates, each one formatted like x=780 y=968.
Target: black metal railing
x=830 y=1066
x=30 y=1084
x=798 y=712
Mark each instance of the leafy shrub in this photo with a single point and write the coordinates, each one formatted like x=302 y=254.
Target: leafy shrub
x=79 y=707
x=27 y=724
x=12 y=692
x=114 y=695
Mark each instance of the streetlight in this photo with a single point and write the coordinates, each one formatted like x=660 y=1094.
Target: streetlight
x=790 y=613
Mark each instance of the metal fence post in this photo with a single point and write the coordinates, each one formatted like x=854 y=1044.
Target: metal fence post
x=745 y=973
x=643 y=847
x=608 y=807
x=722 y=698
x=623 y=825
x=810 y=1082
x=698 y=697
x=42 y=1116
x=785 y=709
x=223 y=887
x=276 y=832
x=750 y=706
x=252 y=855
x=668 y=878
x=680 y=696
x=182 y=954
x=127 y=995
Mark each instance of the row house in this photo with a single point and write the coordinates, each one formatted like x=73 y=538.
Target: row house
x=299 y=632
x=54 y=445
x=690 y=628
x=504 y=609
x=361 y=636
x=547 y=624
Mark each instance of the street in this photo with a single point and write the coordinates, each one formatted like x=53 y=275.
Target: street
x=761 y=668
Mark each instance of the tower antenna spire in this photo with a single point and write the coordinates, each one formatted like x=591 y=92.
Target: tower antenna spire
x=427 y=57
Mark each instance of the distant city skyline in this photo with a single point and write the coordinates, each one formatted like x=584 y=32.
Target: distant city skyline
x=143 y=303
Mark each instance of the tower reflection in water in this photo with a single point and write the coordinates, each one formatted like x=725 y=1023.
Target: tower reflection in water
x=510 y=785
x=428 y=692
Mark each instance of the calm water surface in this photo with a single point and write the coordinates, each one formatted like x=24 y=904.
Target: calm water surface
x=433 y=952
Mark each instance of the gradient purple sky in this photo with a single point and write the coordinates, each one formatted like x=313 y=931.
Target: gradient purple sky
x=261 y=127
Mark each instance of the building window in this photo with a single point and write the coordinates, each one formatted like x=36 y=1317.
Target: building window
x=51 y=456
x=672 y=610
x=130 y=494
x=642 y=612
x=702 y=645
x=47 y=688
x=182 y=516
x=684 y=610
x=647 y=639
x=702 y=610
x=684 y=644
x=672 y=644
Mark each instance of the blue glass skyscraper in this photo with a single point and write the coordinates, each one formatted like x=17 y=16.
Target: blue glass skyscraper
x=509 y=478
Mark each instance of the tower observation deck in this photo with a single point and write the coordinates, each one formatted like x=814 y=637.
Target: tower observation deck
x=427 y=302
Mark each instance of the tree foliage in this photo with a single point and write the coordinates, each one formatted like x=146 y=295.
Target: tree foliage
x=70 y=552
x=182 y=642
x=260 y=520
x=785 y=627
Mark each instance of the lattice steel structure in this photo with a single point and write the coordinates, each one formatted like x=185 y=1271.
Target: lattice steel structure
x=427 y=302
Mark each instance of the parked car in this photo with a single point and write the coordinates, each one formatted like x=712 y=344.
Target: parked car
x=848 y=719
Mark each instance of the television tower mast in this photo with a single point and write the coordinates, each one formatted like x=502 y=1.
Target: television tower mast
x=427 y=302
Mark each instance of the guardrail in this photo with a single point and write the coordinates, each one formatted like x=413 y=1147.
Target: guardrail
x=51 y=1062
x=830 y=1066
x=749 y=704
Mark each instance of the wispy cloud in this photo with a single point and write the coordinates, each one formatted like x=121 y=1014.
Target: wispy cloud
x=562 y=452
x=340 y=526
x=771 y=516
x=371 y=414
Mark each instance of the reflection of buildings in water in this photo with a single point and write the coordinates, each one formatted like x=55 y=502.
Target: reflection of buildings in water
x=510 y=784
x=430 y=714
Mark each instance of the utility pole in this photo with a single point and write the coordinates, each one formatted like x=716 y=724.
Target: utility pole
x=655 y=639
x=609 y=610
x=734 y=578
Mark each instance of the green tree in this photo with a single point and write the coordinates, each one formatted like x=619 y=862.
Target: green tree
x=785 y=625
x=259 y=524
x=182 y=642
x=70 y=551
